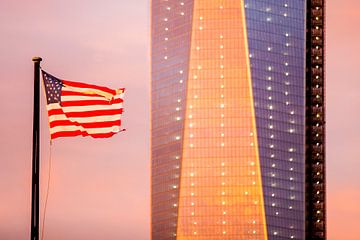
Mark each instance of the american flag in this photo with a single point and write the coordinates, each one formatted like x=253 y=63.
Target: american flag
x=80 y=109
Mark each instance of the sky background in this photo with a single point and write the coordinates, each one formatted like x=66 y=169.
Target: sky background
x=100 y=189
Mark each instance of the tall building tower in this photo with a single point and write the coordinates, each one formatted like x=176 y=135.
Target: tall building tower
x=237 y=142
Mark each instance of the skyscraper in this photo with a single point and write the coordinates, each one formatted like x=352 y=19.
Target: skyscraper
x=237 y=119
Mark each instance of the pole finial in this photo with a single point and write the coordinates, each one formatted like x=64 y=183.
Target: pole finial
x=37 y=59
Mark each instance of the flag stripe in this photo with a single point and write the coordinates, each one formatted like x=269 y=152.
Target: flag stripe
x=88 y=86
x=79 y=133
x=90 y=102
x=66 y=92
x=88 y=130
x=106 y=118
x=57 y=123
x=88 y=108
x=85 y=114
x=82 y=98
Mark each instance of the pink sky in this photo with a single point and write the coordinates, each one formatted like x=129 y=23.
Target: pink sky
x=100 y=188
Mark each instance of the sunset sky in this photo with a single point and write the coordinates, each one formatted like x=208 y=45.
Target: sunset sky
x=100 y=189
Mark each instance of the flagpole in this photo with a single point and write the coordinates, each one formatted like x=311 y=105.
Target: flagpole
x=35 y=153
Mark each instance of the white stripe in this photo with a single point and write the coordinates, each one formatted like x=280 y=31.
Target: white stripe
x=78 y=98
x=84 y=108
x=106 y=118
x=88 y=90
x=88 y=130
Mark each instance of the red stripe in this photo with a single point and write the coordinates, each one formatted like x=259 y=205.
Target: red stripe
x=90 y=102
x=79 y=133
x=93 y=113
x=74 y=93
x=85 y=85
x=57 y=123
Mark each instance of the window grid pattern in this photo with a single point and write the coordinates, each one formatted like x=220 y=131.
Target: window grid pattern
x=276 y=34
x=220 y=189
x=170 y=44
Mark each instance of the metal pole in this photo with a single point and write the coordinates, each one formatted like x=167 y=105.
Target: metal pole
x=35 y=153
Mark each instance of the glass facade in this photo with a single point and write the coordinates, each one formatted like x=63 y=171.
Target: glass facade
x=228 y=119
x=276 y=34
x=171 y=31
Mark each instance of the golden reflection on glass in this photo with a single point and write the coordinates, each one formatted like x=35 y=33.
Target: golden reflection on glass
x=220 y=188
